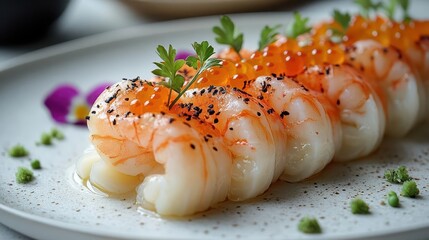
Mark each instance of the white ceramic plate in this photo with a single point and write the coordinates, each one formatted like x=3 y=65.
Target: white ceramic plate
x=54 y=206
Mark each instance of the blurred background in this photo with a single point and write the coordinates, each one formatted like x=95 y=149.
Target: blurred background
x=26 y=26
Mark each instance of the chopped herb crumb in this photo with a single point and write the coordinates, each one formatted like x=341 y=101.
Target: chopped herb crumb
x=409 y=189
x=309 y=225
x=359 y=206
x=46 y=139
x=393 y=199
x=18 y=151
x=24 y=175
x=399 y=175
x=35 y=164
x=55 y=133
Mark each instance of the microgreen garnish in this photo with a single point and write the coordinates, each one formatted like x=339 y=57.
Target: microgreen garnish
x=168 y=69
x=226 y=34
x=35 y=164
x=358 y=206
x=268 y=36
x=410 y=189
x=204 y=51
x=392 y=199
x=18 y=151
x=24 y=175
x=399 y=175
x=367 y=6
x=309 y=225
x=298 y=26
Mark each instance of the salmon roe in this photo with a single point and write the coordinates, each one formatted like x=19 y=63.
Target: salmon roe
x=398 y=34
x=149 y=99
x=286 y=57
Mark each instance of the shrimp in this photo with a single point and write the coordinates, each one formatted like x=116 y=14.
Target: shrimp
x=418 y=56
x=360 y=110
x=311 y=143
x=135 y=139
x=384 y=66
x=256 y=138
x=103 y=176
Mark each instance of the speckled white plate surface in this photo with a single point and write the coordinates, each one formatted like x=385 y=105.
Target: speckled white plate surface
x=55 y=207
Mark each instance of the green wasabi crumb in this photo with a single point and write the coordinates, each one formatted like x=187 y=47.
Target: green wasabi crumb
x=409 y=189
x=46 y=139
x=393 y=199
x=35 y=164
x=358 y=206
x=309 y=225
x=24 y=175
x=55 y=133
x=399 y=175
x=18 y=151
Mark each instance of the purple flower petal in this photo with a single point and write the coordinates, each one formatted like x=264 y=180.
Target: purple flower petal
x=80 y=123
x=93 y=95
x=59 y=101
x=183 y=54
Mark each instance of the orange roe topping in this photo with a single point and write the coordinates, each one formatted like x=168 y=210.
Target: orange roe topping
x=398 y=34
x=148 y=99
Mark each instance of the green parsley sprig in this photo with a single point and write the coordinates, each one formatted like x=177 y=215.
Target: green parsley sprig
x=268 y=36
x=203 y=58
x=298 y=26
x=391 y=7
x=168 y=69
x=343 y=19
x=368 y=6
x=226 y=34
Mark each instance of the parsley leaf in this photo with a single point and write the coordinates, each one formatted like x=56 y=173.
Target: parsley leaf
x=268 y=36
x=367 y=6
x=390 y=9
x=168 y=69
x=204 y=51
x=298 y=26
x=226 y=34
x=342 y=18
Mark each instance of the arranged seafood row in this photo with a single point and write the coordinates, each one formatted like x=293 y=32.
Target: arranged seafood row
x=284 y=111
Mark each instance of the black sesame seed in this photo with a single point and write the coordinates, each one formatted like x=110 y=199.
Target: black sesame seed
x=284 y=113
x=192 y=146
